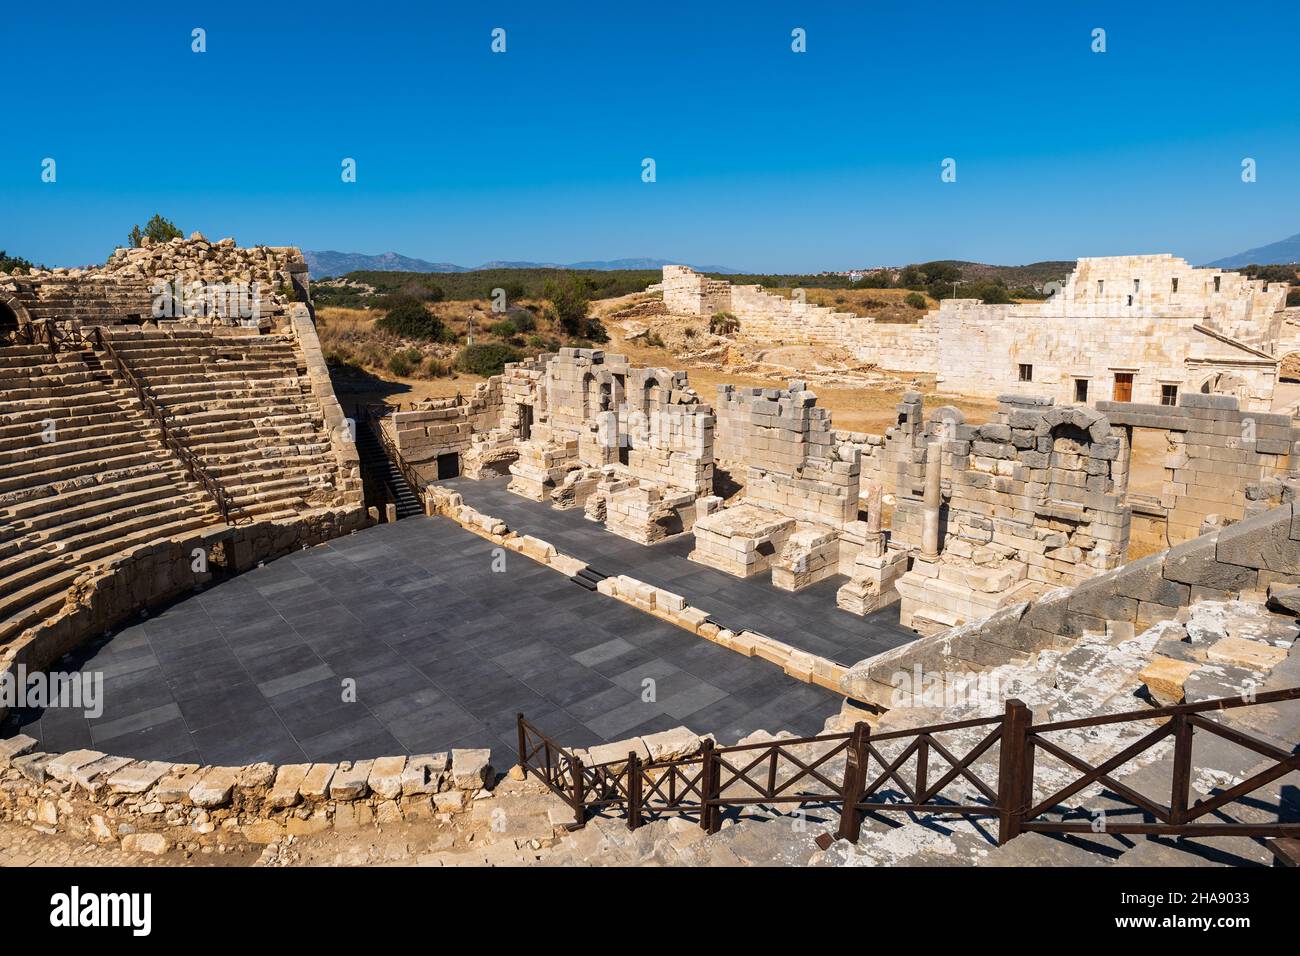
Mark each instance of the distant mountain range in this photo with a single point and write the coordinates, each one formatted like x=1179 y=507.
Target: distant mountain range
x=329 y=263
x=1283 y=252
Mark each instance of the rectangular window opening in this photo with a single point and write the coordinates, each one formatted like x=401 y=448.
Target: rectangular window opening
x=1026 y=373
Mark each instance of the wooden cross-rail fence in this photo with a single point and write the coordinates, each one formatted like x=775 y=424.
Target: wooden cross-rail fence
x=774 y=773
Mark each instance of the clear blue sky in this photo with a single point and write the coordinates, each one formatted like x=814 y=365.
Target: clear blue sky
x=766 y=159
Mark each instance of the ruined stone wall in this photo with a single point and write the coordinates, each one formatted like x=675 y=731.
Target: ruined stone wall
x=1248 y=556
x=1214 y=453
x=1153 y=318
x=135 y=283
x=794 y=464
x=1034 y=500
x=342 y=440
x=152 y=806
x=687 y=292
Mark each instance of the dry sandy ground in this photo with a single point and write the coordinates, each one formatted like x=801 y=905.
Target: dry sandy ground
x=866 y=409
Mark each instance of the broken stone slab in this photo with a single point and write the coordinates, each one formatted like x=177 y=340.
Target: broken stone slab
x=470 y=768
x=32 y=766
x=351 y=783
x=16 y=746
x=425 y=773
x=215 y=787
x=1165 y=677
x=63 y=766
x=673 y=743
x=93 y=777
x=1284 y=600
x=1243 y=652
x=1261 y=542
x=316 y=785
x=288 y=783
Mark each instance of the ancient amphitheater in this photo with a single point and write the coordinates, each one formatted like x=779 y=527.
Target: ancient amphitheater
x=648 y=624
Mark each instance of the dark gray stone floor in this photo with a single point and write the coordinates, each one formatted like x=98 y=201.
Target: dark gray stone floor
x=807 y=619
x=443 y=651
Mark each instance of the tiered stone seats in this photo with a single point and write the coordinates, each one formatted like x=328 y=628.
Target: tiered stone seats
x=83 y=475
x=83 y=302
x=244 y=406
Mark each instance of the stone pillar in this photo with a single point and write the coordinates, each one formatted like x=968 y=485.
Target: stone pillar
x=1119 y=470
x=930 y=512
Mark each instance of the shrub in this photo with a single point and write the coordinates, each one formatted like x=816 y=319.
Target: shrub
x=400 y=364
x=724 y=323
x=486 y=358
x=434 y=367
x=536 y=342
x=1293 y=297
x=505 y=328
x=522 y=320
x=654 y=340
x=915 y=300
x=409 y=318
x=688 y=332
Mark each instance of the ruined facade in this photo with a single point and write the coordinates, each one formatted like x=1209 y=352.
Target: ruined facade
x=1124 y=328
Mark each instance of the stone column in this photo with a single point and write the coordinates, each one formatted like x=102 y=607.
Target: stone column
x=1119 y=469
x=930 y=512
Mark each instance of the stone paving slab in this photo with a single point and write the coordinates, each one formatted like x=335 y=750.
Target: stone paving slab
x=807 y=619
x=401 y=639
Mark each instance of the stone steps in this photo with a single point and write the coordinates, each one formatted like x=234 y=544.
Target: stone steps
x=31 y=604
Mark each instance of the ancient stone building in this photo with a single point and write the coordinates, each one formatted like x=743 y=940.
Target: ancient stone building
x=1125 y=328
x=1030 y=501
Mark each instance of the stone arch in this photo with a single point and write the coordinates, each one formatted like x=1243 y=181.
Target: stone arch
x=651 y=394
x=8 y=319
x=1288 y=369
x=1223 y=383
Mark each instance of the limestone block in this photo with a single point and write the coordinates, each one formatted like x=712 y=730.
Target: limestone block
x=1194 y=562
x=470 y=769
x=385 y=778
x=214 y=788
x=425 y=773
x=1164 y=678
x=351 y=783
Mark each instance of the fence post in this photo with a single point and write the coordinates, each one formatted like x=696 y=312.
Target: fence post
x=579 y=796
x=523 y=744
x=1182 y=782
x=1013 y=764
x=633 y=790
x=855 y=781
x=709 y=811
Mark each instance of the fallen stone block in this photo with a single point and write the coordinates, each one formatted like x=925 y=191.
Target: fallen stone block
x=470 y=769
x=1165 y=677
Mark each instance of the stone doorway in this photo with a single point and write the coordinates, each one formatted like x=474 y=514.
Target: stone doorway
x=449 y=465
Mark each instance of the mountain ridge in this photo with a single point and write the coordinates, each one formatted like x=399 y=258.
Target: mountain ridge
x=325 y=264
x=1283 y=252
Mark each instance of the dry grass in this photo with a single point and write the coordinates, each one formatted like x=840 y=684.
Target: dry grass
x=886 y=305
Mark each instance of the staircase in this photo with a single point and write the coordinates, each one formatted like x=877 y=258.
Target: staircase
x=383 y=470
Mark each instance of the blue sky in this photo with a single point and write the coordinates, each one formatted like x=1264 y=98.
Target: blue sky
x=767 y=160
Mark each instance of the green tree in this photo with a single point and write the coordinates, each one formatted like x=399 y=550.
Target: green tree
x=409 y=318
x=570 y=298
x=157 y=229
x=9 y=263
